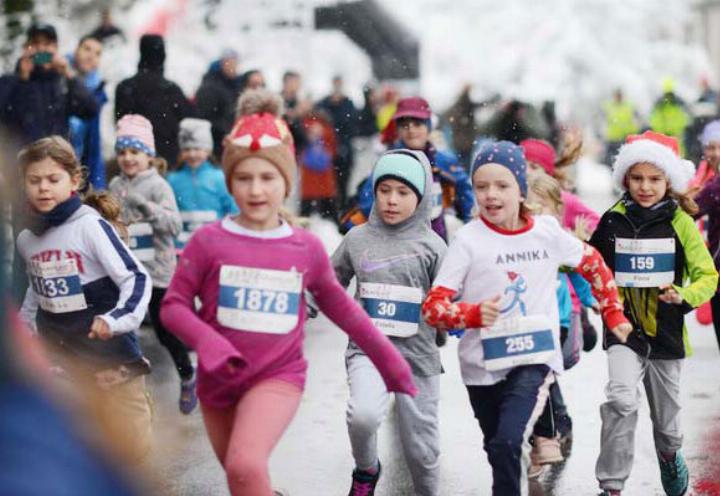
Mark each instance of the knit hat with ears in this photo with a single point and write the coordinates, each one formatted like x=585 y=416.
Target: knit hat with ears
x=135 y=131
x=540 y=152
x=260 y=134
x=658 y=149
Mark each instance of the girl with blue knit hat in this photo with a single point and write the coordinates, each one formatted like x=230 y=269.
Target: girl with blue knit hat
x=395 y=257
x=498 y=282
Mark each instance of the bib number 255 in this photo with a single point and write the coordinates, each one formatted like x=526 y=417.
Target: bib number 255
x=517 y=344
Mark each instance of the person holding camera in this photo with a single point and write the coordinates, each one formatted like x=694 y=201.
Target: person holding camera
x=38 y=98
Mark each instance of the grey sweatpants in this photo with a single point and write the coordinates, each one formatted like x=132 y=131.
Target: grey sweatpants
x=417 y=422
x=661 y=378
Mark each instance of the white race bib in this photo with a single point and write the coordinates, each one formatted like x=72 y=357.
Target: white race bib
x=644 y=263
x=437 y=200
x=192 y=221
x=57 y=286
x=141 y=241
x=395 y=310
x=259 y=300
x=516 y=341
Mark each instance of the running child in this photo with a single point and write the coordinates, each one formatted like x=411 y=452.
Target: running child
x=663 y=270
x=153 y=221
x=708 y=202
x=395 y=257
x=88 y=293
x=503 y=268
x=250 y=272
x=199 y=186
x=552 y=440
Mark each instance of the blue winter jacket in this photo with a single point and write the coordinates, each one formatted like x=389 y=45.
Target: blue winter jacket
x=85 y=133
x=200 y=190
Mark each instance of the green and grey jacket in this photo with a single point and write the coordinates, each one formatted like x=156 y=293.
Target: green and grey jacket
x=659 y=328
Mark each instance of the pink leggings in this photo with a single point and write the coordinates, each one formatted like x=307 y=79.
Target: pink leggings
x=243 y=437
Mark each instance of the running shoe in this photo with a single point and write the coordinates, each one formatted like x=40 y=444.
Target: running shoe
x=363 y=483
x=188 y=396
x=674 y=475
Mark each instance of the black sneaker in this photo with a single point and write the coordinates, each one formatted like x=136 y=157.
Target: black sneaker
x=363 y=483
x=440 y=338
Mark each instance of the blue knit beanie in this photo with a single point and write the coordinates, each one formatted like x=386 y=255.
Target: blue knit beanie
x=402 y=167
x=506 y=154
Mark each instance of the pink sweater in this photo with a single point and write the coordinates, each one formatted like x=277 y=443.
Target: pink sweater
x=573 y=207
x=232 y=360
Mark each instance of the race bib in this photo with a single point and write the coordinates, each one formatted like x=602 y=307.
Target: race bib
x=395 y=310
x=259 y=300
x=57 y=286
x=644 y=263
x=141 y=241
x=518 y=341
x=191 y=222
x=437 y=200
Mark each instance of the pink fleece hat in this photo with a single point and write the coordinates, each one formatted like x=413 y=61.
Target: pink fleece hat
x=135 y=131
x=540 y=152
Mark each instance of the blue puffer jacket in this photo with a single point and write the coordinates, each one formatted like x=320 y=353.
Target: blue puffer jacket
x=199 y=191
x=454 y=182
x=85 y=133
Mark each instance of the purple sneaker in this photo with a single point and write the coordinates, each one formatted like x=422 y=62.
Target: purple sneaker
x=188 y=398
x=364 y=483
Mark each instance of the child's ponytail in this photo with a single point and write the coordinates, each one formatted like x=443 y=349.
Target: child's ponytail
x=685 y=202
x=109 y=208
x=160 y=165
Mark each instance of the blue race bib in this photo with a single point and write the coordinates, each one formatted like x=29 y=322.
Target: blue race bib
x=518 y=341
x=141 y=241
x=394 y=310
x=644 y=263
x=259 y=300
x=57 y=286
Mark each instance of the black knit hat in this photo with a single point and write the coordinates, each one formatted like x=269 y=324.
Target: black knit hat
x=43 y=29
x=152 y=51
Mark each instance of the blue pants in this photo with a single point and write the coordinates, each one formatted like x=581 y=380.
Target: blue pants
x=507 y=412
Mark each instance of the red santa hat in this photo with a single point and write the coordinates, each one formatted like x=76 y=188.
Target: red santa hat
x=658 y=149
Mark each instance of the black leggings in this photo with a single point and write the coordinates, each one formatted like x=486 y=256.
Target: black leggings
x=715 y=306
x=175 y=347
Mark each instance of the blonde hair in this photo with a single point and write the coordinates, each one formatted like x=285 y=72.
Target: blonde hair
x=684 y=200
x=60 y=151
x=547 y=187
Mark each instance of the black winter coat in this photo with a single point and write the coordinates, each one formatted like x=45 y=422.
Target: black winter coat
x=40 y=106
x=161 y=101
x=215 y=101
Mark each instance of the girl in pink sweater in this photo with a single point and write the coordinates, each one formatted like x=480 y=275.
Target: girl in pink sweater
x=250 y=272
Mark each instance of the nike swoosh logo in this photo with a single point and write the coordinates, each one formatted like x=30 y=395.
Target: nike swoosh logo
x=368 y=265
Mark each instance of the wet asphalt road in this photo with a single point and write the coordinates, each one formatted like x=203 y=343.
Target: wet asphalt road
x=313 y=458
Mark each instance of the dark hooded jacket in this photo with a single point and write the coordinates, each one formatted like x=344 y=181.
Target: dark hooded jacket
x=216 y=100
x=149 y=94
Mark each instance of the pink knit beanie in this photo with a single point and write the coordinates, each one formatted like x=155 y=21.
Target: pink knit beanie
x=135 y=131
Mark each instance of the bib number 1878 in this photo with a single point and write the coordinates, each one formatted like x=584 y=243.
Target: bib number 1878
x=261 y=300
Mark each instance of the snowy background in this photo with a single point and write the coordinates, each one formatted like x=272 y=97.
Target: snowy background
x=565 y=50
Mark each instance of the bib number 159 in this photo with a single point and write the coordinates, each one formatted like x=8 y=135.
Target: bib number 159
x=518 y=344
x=642 y=263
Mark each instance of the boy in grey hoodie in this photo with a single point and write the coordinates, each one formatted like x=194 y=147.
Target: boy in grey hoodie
x=395 y=257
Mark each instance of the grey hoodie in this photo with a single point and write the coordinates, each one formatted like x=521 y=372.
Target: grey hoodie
x=408 y=254
x=148 y=198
